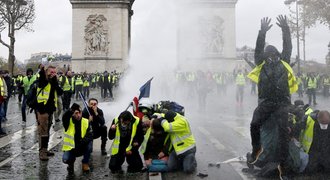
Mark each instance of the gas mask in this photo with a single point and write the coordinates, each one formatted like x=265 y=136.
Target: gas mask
x=323 y=126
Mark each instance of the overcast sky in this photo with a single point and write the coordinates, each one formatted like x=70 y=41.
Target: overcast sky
x=52 y=27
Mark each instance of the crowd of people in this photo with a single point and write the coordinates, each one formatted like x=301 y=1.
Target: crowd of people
x=286 y=137
x=160 y=134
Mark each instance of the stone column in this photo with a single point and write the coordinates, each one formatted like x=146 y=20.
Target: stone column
x=207 y=35
x=100 y=34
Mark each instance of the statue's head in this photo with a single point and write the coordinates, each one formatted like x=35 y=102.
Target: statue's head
x=271 y=54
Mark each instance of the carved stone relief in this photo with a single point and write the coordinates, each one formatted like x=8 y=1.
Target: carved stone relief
x=96 y=36
x=211 y=35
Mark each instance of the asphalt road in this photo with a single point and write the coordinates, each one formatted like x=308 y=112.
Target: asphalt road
x=221 y=132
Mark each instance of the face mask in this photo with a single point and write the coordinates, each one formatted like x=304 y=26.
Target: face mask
x=323 y=126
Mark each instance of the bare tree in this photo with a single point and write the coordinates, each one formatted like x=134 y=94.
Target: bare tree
x=305 y=14
x=15 y=15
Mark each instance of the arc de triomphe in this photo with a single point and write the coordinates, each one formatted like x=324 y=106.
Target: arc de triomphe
x=207 y=35
x=100 y=34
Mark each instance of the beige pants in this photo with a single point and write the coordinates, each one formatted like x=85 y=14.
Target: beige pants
x=43 y=122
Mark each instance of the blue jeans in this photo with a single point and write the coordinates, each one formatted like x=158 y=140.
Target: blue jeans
x=70 y=156
x=186 y=161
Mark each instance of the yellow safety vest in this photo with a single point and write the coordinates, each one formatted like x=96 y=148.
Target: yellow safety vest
x=326 y=81
x=181 y=138
x=27 y=83
x=292 y=82
x=68 y=141
x=309 y=110
x=79 y=81
x=306 y=137
x=2 y=88
x=44 y=95
x=114 y=79
x=86 y=83
x=66 y=86
x=116 y=141
x=109 y=80
x=312 y=83
x=299 y=81
x=218 y=79
x=240 y=80
x=190 y=77
x=143 y=146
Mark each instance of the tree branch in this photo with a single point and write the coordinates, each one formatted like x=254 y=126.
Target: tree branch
x=3 y=43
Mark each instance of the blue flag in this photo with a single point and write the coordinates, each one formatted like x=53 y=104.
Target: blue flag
x=145 y=89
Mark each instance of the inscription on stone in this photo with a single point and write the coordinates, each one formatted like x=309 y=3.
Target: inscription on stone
x=96 y=36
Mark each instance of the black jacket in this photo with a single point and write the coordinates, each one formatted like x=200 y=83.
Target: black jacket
x=49 y=107
x=125 y=139
x=320 y=147
x=273 y=79
x=79 y=142
x=98 y=121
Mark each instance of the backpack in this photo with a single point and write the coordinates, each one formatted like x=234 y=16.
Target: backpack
x=164 y=106
x=31 y=97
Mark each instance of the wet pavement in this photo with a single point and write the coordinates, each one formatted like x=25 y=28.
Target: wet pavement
x=221 y=132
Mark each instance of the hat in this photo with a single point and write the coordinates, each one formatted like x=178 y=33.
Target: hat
x=126 y=116
x=75 y=107
x=272 y=50
x=29 y=70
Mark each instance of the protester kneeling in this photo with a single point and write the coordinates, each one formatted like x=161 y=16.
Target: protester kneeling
x=155 y=147
x=126 y=130
x=78 y=138
x=95 y=115
x=183 y=141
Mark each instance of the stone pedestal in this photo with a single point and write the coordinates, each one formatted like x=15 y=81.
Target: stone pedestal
x=207 y=35
x=100 y=34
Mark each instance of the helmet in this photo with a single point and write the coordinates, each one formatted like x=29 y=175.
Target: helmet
x=145 y=103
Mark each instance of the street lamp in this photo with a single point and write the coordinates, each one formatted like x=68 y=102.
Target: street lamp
x=288 y=2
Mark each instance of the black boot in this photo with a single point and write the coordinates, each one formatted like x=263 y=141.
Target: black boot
x=23 y=117
x=70 y=168
x=103 y=144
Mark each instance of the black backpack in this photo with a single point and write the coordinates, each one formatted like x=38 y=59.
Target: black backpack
x=31 y=97
x=164 y=106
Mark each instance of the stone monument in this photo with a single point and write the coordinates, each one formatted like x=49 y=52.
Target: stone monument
x=207 y=35
x=100 y=34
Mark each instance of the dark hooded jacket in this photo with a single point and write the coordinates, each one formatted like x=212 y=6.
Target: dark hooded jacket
x=319 y=158
x=273 y=79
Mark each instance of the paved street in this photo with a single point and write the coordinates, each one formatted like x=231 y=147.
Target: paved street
x=221 y=132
